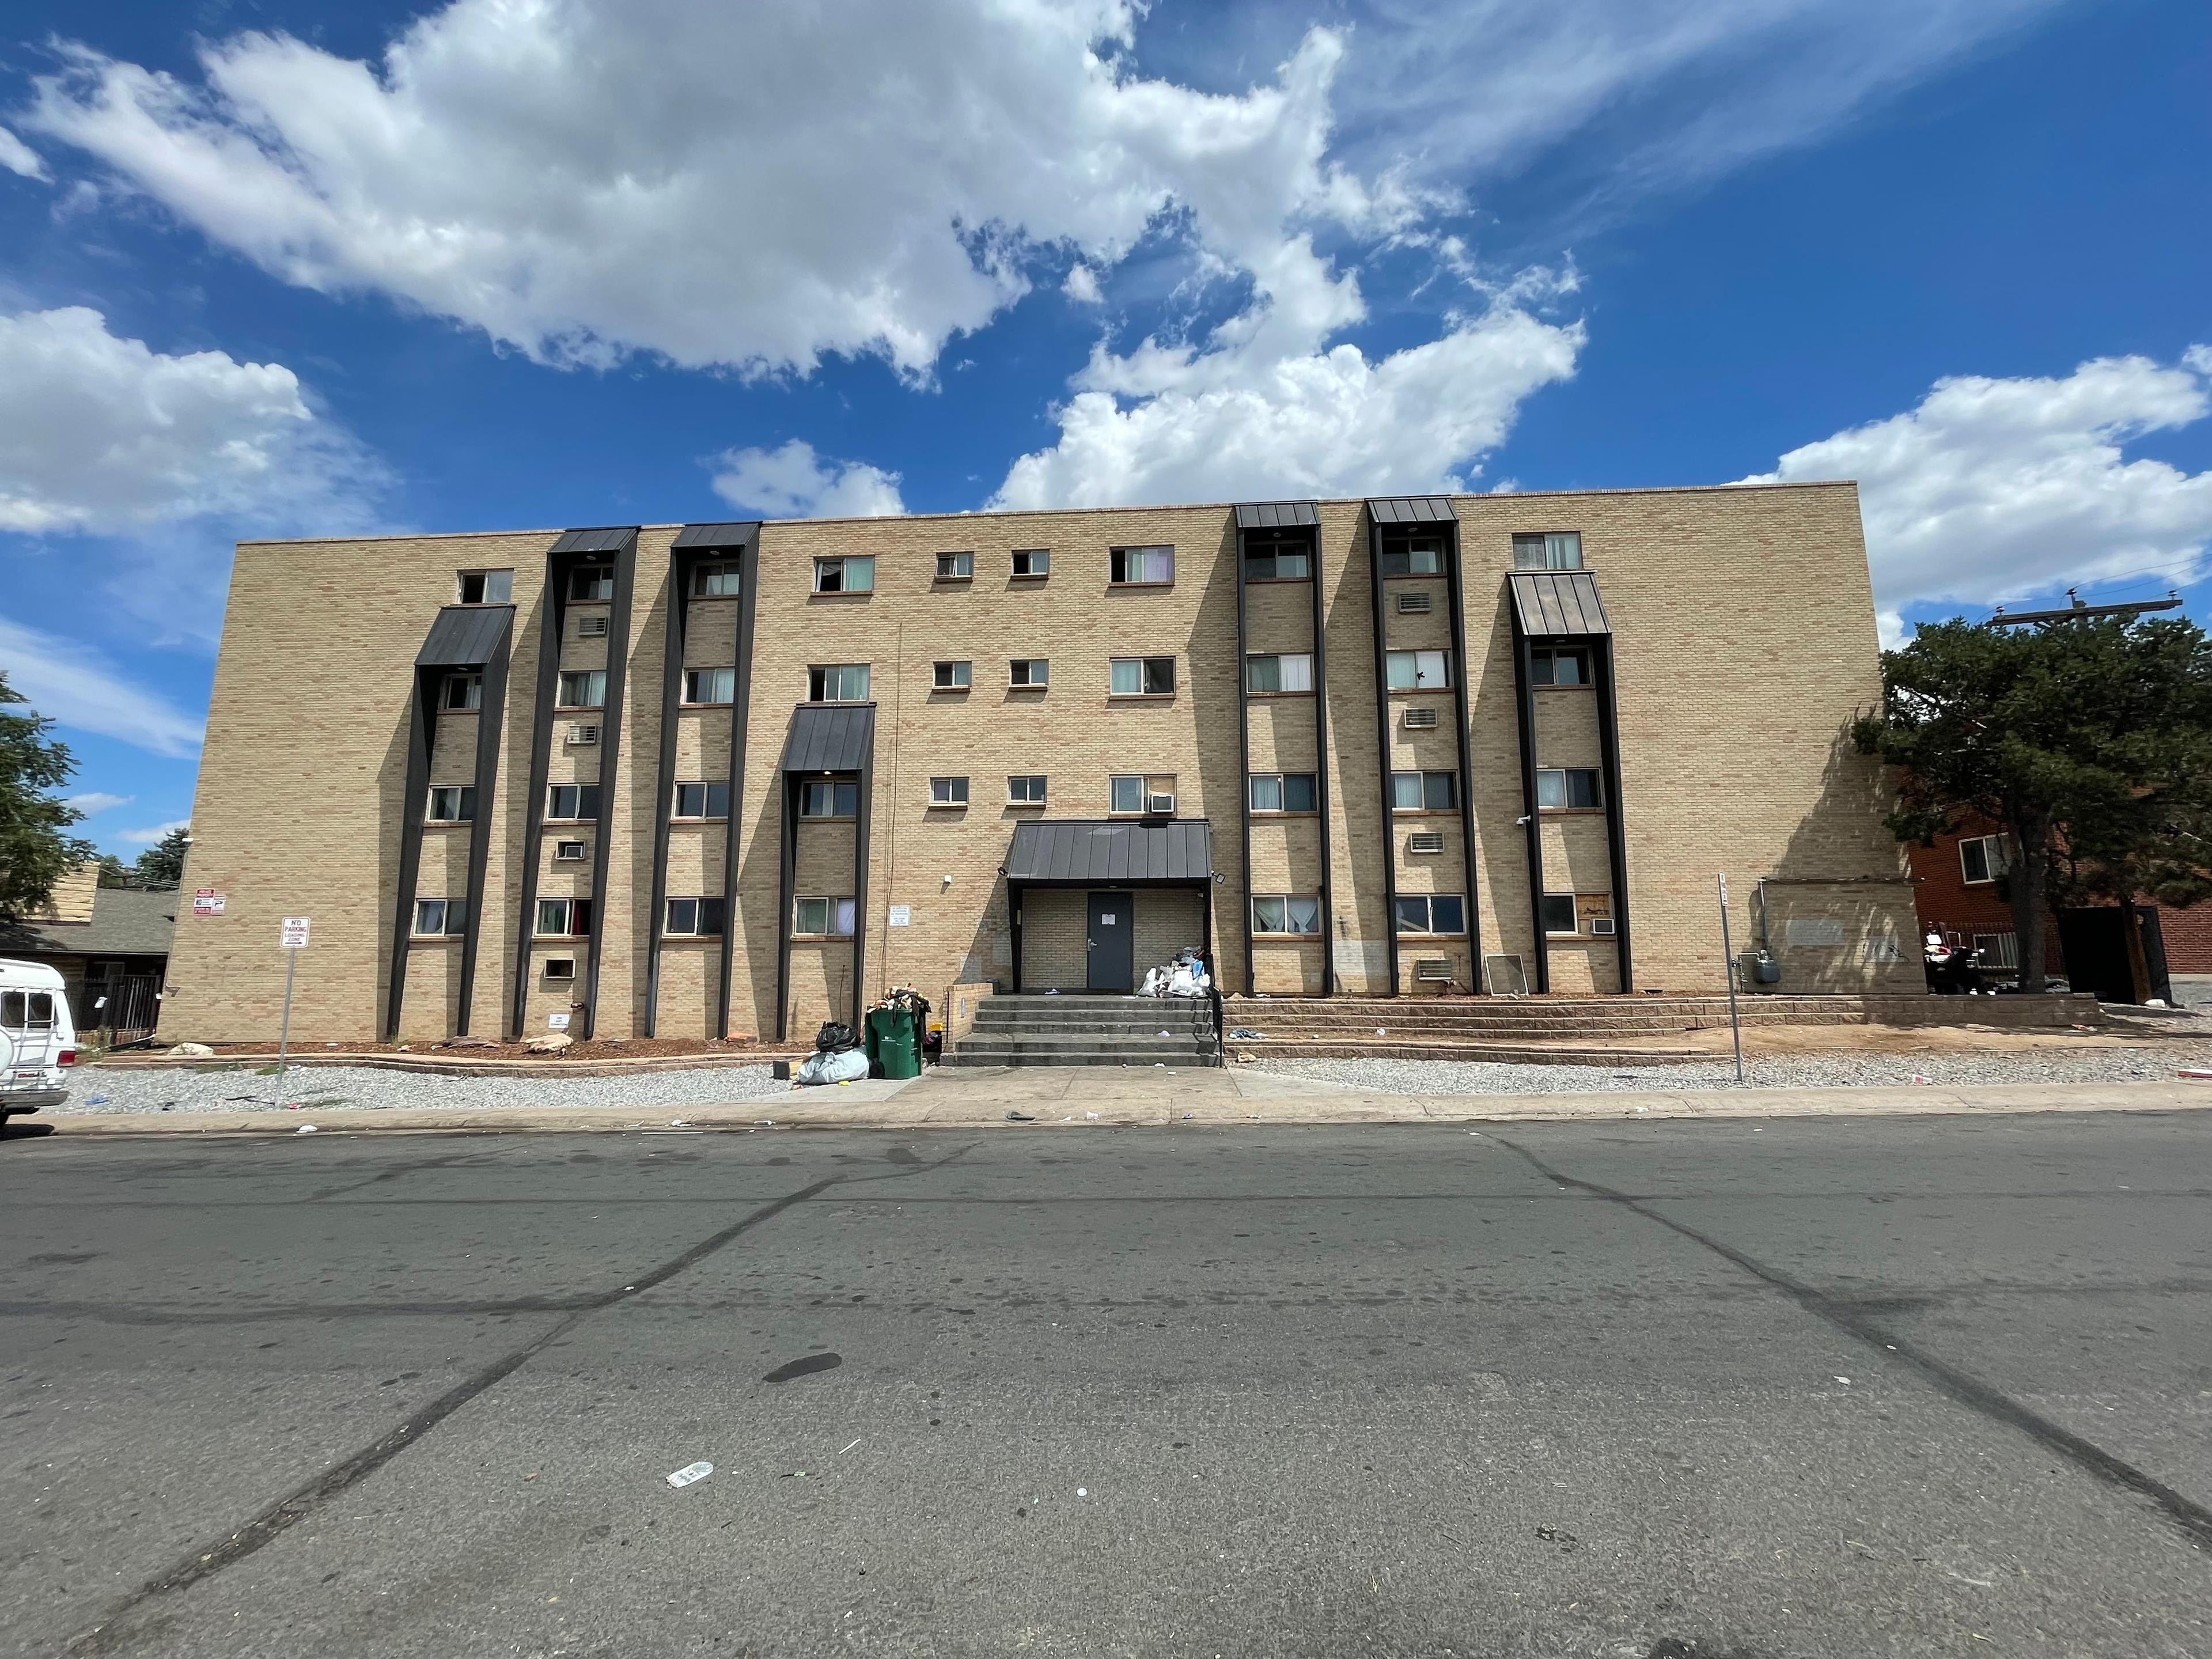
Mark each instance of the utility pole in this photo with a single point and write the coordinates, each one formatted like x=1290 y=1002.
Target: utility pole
x=1728 y=966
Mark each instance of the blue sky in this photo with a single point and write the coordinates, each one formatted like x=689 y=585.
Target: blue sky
x=267 y=271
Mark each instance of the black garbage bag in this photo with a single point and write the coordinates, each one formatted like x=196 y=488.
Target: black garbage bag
x=835 y=1034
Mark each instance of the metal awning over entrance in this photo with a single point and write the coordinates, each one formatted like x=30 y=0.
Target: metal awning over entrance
x=1080 y=854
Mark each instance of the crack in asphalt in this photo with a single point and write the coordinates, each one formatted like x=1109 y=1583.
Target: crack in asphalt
x=1847 y=1316
x=120 y=1625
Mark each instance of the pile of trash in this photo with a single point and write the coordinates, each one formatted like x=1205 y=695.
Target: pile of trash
x=1185 y=976
x=837 y=1057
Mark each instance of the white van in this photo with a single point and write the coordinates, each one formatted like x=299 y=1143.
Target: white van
x=37 y=1037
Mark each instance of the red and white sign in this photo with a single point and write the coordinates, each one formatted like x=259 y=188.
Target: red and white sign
x=296 y=933
x=206 y=901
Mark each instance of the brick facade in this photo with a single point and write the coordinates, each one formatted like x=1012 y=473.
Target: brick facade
x=1744 y=641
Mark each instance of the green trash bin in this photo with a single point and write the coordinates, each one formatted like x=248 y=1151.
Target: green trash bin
x=894 y=1042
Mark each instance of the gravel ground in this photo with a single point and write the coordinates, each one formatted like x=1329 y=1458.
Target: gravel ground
x=1439 y=1076
x=334 y=1088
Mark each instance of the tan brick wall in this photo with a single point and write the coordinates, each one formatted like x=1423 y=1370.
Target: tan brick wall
x=1745 y=638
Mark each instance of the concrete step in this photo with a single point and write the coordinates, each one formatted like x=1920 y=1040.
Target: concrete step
x=978 y=1058
x=1094 y=1020
x=1146 y=1047
x=1501 y=1054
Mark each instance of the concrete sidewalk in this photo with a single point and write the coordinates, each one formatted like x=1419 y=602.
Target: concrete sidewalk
x=1109 y=1098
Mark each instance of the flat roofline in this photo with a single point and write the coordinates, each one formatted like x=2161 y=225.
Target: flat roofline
x=1064 y=511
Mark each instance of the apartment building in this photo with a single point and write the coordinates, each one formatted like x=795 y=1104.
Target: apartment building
x=733 y=779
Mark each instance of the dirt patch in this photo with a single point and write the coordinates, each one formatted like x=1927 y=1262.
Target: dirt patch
x=589 y=1048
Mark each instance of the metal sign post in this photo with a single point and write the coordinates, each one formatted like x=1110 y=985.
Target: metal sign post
x=1727 y=967
x=293 y=940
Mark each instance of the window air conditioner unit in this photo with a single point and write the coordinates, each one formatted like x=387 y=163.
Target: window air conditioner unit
x=1601 y=926
x=1425 y=840
x=561 y=968
x=1431 y=970
x=591 y=627
x=568 y=852
x=581 y=736
x=1420 y=720
x=1160 y=806
x=1414 y=603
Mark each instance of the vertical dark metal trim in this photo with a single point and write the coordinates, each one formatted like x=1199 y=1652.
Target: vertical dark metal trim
x=611 y=725
x=1616 y=826
x=1383 y=748
x=681 y=563
x=787 y=830
x=1320 y=777
x=1014 y=922
x=740 y=714
x=1524 y=706
x=414 y=799
x=1461 y=674
x=860 y=827
x=491 y=721
x=552 y=613
x=1244 y=760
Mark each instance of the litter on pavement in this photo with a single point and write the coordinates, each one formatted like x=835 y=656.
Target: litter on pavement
x=690 y=1472
x=305 y=1129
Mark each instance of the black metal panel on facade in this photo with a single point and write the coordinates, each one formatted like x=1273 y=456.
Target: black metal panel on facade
x=694 y=544
x=1462 y=674
x=618 y=545
x=462 y=638
x=1558 y=604
x=1412 y=509
x=1074 y=853
x=1390 y=836
x=1278 y=515
x=824 y=738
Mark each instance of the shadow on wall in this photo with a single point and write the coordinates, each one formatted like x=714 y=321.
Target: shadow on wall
x=1839 y=911
x=392 y=824
x=1213 y=709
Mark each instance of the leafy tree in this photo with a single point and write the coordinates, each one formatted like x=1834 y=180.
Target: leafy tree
x=35 y=850
x=2089 y=740
x=113 y=871
x=162 y=864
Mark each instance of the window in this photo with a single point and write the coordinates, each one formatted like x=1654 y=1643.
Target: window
x=1283 y=791
x=462 y=691
x=1558 y=667
x=1284 y=914
x=569 y=852
x=1567 y=789
x=717 y=580
x=564 y=918
x=1982 y=858
x=561 y=968
x=1555 y=550
x=710 y=685
x=572 y=800
x=1286 y=560
x=952 y=675
x=823 y=918
x=1142 y=567
x=1143 y=677
x=1025 y=791
x=451 y=804
x=1422 y=556
x=592 y=581
x=1418 y=671
x=583 y=688
x=1424 y=792
x=1278 y=674
x=591 y=627
x=702 y=801
x=440 y=918
x=26 y=1011
x=486 y=586
x=1033 y=561
x=829 y=800
x=695 y=918
x=844 y=682
x=948 y=792
x=1559 y=914
x=955 y=567
x=846 y=575
x=1432 y=913
x=1142 y=792
x=1029 y=672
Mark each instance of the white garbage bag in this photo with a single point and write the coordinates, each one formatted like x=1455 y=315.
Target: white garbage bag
x=836 y=1066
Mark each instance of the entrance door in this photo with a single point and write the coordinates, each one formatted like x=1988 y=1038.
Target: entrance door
x=1112 y=957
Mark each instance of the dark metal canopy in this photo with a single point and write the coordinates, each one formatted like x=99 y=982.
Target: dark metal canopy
x=465 y=635
x=836 y=736
x=607 y=539
x=1090 y=855
x=1412 y=509
x=1558 y=604
x=716 y=536
x=1276 y=515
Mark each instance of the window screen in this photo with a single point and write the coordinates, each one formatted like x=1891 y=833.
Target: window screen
x=1567 y=789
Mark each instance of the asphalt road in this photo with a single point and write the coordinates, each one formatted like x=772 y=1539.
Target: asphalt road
x=1642 y=1391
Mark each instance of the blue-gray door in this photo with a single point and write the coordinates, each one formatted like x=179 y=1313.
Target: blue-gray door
x=1112 y=958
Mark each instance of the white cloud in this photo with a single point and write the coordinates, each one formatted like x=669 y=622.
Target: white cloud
x=1081 y=285
x=792 y=483
x=94 y=801
x=19 y=157
x=1991 y=490
x=153 y=834
x=76 y=687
